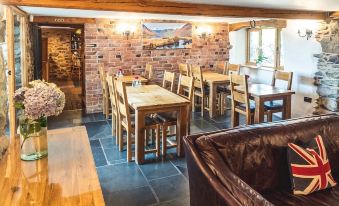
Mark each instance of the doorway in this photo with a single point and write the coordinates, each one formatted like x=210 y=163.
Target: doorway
x=62 y=61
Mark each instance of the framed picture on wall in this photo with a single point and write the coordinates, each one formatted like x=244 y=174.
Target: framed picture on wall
x=167 y=36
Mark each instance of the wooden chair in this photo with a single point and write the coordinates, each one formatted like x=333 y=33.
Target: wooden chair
x=127 y=122
x=240 y=99
x=199 y=89
x=277 y=105
x=105 y=95
x=233 y=69
x=224 y=91
x=221 y=67
x=115 y=111
x=148 y=73
x=170 y=119
x=184 y=69
x=168 y=80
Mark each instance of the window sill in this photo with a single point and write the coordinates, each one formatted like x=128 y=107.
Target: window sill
x=259 y=68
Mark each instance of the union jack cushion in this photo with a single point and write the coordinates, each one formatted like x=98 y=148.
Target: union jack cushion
x=310 y=168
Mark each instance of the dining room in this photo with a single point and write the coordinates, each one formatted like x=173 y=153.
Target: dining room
x=181 y=103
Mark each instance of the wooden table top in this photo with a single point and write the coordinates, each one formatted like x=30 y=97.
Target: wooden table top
x=214 y=77
x=130 y=78
x=153 y=96
x=66 y=177
x=263 y=90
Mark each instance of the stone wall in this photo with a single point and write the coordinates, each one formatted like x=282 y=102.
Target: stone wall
x=3 y=79
x=103 y=45
x=59 y=52
x=327 y=76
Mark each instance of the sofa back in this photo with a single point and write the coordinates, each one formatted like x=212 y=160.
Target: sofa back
x=258 y=154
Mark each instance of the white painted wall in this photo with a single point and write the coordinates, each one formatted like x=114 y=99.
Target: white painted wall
x=298 y=53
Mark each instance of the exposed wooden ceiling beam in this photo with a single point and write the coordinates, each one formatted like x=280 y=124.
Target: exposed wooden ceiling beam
x=263 y=23
x=334 y=15
x=62 y=20
x=166 y=7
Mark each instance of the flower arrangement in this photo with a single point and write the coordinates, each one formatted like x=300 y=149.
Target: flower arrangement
x=38 y=101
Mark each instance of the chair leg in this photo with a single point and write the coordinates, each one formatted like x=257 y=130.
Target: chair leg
x=193 y=101
x=113 y=124
x=235 y=119
x=157 y=143
x=146 y=137
x=121 y=139
x=202 y=106
x=103 y=104
x=164 y=140
x=269 y=116
x=129 y=146
x=107 y=108
x=248 y=119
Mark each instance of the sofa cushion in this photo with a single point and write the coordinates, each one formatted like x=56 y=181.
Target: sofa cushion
x=309 y=166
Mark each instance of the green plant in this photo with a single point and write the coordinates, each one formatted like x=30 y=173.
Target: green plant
x=261 y=58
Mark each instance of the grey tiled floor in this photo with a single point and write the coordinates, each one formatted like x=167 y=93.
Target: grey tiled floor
x=157 y=182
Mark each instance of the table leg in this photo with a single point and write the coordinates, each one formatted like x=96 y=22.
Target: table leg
x=212 y=102
x=287 y=108
x=259 y=110
x=182 y=125
x=139 y=137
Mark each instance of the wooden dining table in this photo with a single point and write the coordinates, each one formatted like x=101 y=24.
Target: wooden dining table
x=261 y=93
x=67 y=176
x=128 y=79
x=150 y=99
x=213 y=80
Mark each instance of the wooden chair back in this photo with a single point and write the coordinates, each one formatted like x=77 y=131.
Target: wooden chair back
x=184 y=69
x=148 y=73
x=122 y=102
x=168 y=80
x=221 y=67
x=112 y=91
x=197 y=76
x=283 y=76
x=187 y=83
x=239 y=91
x=233 y=69
x=102 y=79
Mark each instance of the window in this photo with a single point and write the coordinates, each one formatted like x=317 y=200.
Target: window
x=265 y=44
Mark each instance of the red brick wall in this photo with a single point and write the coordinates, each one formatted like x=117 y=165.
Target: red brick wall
x=114 y=51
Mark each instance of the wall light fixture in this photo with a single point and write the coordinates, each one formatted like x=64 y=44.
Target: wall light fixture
x=126 y=29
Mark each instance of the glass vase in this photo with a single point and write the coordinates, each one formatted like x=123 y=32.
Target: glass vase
x=33 y=140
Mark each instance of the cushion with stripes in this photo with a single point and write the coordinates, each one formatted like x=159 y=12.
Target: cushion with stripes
x=309 y=167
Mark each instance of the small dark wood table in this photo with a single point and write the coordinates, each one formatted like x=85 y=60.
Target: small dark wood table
x=261 y=93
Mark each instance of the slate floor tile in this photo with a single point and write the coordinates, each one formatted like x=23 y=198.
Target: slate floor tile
x=108 y=143
x=158 y=169
x=120 y=177
x=99 y=157
x=132 y=197
x=98 y=130
x=114 y=156
x=176 y=202
x=174 y=187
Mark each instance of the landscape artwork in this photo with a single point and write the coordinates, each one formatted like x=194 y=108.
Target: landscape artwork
x=167 y=35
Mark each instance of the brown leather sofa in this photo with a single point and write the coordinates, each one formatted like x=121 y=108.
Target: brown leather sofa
x=248 y=165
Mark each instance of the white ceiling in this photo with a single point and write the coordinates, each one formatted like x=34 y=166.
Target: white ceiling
x=41 y=11
x=321 y=5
